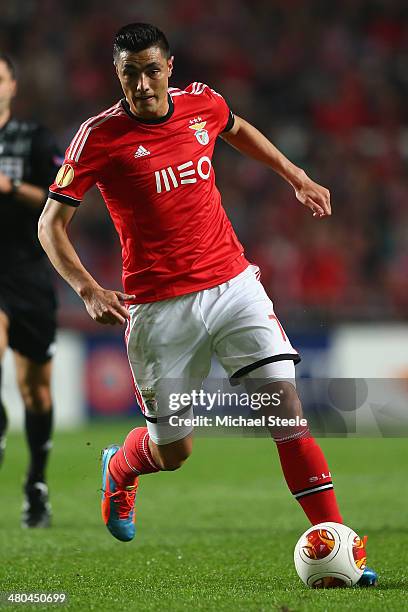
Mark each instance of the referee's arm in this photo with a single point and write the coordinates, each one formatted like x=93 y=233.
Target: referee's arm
x=26 y=193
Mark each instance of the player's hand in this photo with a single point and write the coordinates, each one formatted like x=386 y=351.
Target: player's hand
x=107 y=307
x=5 y=183
x=314 y=196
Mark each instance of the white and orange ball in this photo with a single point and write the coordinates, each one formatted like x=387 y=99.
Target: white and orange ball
x=330 y=555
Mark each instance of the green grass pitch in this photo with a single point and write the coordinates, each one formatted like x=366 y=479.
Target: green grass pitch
x=216 y=535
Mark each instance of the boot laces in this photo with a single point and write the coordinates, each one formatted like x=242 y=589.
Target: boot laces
x=125 y=498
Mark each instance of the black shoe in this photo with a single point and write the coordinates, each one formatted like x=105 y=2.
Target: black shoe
x=36 y=507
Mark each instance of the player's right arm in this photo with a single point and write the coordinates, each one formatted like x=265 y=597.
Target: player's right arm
x=104 y=306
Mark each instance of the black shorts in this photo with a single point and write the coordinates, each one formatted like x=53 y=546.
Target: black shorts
x=27 y=297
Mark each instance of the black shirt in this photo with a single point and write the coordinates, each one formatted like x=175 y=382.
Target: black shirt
x=29 y=153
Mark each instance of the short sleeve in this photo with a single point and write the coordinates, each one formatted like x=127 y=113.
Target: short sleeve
x=223 y=113
x=82 y=167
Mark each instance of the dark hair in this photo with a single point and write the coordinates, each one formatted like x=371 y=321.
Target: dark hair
x=139 y=36
x=10 y=64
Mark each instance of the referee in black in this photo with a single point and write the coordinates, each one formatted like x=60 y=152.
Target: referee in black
x=29 y=159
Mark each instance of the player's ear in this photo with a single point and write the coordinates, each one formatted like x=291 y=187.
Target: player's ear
x=170 y=65
x=115 y=63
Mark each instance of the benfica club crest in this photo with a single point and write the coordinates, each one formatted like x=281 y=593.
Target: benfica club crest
x=200 y=133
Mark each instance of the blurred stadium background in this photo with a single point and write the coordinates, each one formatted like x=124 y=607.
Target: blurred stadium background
x=328 y=83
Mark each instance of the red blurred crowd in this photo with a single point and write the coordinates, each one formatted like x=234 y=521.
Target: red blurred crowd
x=326 y=81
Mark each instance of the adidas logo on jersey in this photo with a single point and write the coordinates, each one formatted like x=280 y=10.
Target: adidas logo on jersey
x=141 y=152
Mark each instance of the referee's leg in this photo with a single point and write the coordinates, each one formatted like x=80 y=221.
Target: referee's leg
x=4 y=325
x=34 y=381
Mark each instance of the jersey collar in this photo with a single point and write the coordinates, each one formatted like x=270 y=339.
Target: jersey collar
x=126 y=107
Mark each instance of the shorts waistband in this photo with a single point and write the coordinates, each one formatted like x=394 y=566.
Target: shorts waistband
x=251 y=269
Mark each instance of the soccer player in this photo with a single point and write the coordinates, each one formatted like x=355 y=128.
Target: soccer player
x=189 y=290
x=28 y=161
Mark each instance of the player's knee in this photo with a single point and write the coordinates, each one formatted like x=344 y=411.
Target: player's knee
x=170 y=457
x=175 y=461
x=170 y=465
x=171 y=460
x=284 y=399
x=36 y=397
x=285 y=416
x=292 y=407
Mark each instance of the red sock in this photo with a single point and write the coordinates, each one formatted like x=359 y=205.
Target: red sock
x=308 y=478
x=133 y=459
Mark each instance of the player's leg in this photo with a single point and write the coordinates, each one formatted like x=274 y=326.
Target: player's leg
x=168 y=354
x=121 y=468
x=140 y=455
x=145 y=450
x=303 y=463
x=4 y=325
x=34 y=382
x=253 y=347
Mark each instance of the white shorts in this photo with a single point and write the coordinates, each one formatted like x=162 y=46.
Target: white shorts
x=170 y=344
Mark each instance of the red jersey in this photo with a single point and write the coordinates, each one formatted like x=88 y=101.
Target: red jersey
x=157 y=180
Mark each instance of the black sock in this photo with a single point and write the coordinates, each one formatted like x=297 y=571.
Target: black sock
x=38 y=427
x=3 y=415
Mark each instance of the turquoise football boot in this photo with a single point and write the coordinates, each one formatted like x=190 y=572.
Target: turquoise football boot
x=118 y=505
x=368 y=579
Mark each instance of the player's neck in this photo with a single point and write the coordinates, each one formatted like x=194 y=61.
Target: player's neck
x=4 y=117
x=161 y=111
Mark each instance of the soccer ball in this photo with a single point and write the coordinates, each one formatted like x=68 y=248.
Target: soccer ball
x=330 y=555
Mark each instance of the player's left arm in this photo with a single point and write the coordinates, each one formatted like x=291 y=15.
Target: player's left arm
x=250 y=141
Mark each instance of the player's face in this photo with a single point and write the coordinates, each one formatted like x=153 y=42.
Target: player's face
x=7 y=87
x=144 y=77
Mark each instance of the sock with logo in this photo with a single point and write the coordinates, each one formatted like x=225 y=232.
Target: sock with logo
x=133 y=458
x=38 y=427
x=308 y=477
